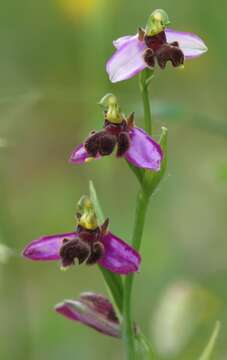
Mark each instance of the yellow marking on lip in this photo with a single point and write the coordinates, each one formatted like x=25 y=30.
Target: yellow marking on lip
x=181 y=67
x=64 y=268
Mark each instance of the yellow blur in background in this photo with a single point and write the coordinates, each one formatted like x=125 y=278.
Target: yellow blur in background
x=77 y=9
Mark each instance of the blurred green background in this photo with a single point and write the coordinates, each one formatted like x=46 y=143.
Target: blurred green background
x=52 y=74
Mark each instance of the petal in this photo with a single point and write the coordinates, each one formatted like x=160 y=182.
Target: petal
x=127 y=61
x=191 y=44
x=80 y=155
x=100 y=304
x=123 y=40
x=144 y=152
x=84 y=313
x=46 y=248
x=119 y=257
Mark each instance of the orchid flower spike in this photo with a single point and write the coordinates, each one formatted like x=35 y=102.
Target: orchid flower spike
x=156 y=44
x=132 y=143
x=93 y=310
x=90 y=243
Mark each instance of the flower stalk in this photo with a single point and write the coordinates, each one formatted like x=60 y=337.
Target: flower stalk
x=113 y=281
x=144 y=82
x=128 y=331
x=148 y=184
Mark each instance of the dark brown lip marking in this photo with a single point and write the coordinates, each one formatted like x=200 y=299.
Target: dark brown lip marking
x=158 y=50
x=156 y=41
x=123 y=143
x=149 y=57
x=172 y=53
x=97 y=252
x=103 y=142
x=73 y=249
x=87 y=247
x=100 y=142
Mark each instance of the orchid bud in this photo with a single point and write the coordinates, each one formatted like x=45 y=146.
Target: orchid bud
x=93 y=310
x=157 y=22
x=151 y=179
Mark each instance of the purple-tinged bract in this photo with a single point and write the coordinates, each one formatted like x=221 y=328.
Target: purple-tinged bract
x=92 y=310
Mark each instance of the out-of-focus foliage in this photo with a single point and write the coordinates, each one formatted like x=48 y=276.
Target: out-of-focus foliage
x=5 y=253
x=209 y=349
x=3 y=143
x=52 y=71
x=180 y=312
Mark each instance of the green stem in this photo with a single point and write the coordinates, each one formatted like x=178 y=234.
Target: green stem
x=140 y=216
x=127 y=329
x=128 y=335
x=141 y=210
x=113 y=281
x=144 y=81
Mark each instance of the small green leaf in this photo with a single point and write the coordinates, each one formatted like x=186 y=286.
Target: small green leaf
x=144 y=349
x=152 y=179
x=96 y=203
x=113 y=281
x=206 y=355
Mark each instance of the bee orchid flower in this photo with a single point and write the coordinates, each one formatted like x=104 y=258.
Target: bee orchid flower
x=132 y=143
x=156 y=44
x=92 y=310
x=89 y=244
